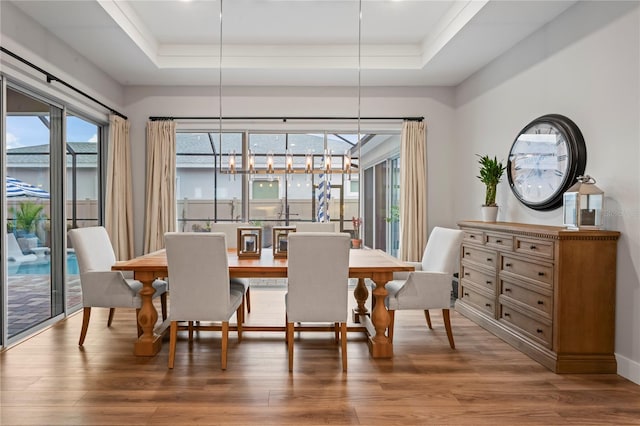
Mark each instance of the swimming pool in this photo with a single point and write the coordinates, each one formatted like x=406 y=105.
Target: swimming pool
x=42 y=266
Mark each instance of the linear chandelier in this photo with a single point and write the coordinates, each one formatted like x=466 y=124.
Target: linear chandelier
x=269 y=166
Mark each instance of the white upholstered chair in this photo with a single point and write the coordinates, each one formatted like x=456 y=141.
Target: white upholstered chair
x=231 y=232
x=200 y=290
x=318 y=276
x=316 y=227
x=429 y=286
x=102 y=287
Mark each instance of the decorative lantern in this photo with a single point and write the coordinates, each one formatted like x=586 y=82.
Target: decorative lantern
x=583 y=204
x=249 y=241
x=281 y=240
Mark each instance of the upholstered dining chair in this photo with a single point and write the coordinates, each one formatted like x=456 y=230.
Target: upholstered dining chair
x=231 y=232
x=318 y=276
x=429 y=286
x=316 y=227
x=200 y=290
x=102 y=287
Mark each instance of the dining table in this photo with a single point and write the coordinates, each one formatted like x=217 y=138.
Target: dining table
x=375 y=265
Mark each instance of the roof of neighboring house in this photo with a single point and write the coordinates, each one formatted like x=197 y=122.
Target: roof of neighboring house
x=39 y=154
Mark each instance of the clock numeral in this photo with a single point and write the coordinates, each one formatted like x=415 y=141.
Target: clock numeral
x=562 y=157
x=558 y=172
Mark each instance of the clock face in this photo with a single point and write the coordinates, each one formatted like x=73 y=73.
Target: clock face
x=545 y=158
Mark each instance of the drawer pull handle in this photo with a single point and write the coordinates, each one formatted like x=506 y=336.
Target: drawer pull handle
x=473 y=237
x=467 y=254
x=508 y=265
x=541 y=274
x=499 y=241
x=466 y=294
x=532 y=247
x=488 y=305
x=507 y=290
x=489 y=282
x=506 y=314
x=467 y=274
x=489 y=259
x=539 y=331
x=540 y=302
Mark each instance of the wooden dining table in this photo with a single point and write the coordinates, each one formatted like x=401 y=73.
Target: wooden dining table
x=373 y=264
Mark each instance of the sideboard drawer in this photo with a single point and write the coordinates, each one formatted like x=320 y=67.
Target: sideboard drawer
x=478 y=277
x=531 y=270
x=536 y=329
x=499 y=241
x=481 y=257
x=480 y=301
x=473 y=237
x=537 y=301
x=532 y=247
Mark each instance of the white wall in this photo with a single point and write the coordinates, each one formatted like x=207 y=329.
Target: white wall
x=23 y=36
x=584 y=65
x=435 y=104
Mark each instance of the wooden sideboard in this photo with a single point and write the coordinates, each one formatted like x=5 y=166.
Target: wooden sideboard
x=548 y=291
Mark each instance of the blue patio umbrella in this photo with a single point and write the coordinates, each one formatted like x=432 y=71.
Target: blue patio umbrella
x=17 y=188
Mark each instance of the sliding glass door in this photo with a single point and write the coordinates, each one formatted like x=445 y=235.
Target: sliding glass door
x=32 y=296
x=44 y=149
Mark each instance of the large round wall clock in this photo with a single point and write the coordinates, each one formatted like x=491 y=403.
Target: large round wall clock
x=544 y=161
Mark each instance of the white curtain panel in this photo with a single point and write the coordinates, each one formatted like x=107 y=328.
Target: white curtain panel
x=413 y=191
x=119 y=199
x=160 y=205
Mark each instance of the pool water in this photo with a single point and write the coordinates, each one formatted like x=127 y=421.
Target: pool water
x=43 y=267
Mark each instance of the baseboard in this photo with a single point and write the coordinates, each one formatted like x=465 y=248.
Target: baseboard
x=628 y=368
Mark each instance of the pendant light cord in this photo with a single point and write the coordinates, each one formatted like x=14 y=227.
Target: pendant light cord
x=220 y=87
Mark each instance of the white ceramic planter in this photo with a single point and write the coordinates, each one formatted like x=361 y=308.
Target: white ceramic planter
x=489 y=214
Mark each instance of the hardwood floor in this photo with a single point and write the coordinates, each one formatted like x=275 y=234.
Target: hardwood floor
x=49 y=380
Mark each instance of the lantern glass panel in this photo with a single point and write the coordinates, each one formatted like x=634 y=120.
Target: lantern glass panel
x=591 y=210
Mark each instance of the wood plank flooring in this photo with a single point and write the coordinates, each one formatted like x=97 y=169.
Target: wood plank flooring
x=49 y=380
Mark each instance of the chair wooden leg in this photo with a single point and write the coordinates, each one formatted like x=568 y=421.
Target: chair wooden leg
x=140 y=331
x=286 y=326
x=86 y=314
x=242 y=306
x=290 y=344
x=163 y=303
x=428 y=318
x=112 y=312
x=190 y=331
x=239 y=321
x=225 y=344
x=343 y=337
x=336 y=330
x=248 y=300
x=447 y=326
x=392 y=315
x=173 y=337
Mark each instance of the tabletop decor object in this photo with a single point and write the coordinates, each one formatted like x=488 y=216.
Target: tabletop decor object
x=583 y=205
x=281 y=241
x=249 y=241
x=491 y=171
x=356 y=241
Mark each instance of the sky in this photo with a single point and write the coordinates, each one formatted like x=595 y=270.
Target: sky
x=29 y=130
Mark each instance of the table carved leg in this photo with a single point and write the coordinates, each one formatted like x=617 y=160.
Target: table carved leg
x=379 y=344
x=148 y=343
x=361 y=294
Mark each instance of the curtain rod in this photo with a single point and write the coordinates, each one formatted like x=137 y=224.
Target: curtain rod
x=284 y=119
x=52 y=78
